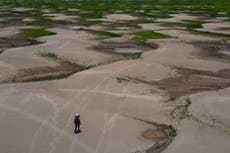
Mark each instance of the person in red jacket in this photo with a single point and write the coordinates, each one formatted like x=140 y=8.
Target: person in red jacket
x=77 y=123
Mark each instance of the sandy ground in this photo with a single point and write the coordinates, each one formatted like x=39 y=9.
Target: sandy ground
x=22 y=9
x=117 y=17
x=208 y=129
x=111 y=104
x=59 y=16
x=222 y=27
x=153 y=26
x=28 y=20
x=12 y=30
x=38 y=116
x=178 y=18
x=113 y=29
x=8 y=31
x=68 y=44
x=187 y=36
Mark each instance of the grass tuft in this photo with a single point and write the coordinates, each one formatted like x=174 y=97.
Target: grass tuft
x=117 y=58
x=134 y=55
x=120 y=79
x=49 y=55
x=194 y=24
x=34 y=33
x=142 y=36
x=55 y=77
x=209 y=33
x=102 y=33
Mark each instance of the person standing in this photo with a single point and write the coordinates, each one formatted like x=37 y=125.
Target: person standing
x=77 y=123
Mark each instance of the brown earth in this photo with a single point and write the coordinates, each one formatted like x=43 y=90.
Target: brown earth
x=156 y=135
x=192 y=81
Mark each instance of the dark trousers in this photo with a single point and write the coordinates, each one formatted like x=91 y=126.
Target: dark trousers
x=77 y=127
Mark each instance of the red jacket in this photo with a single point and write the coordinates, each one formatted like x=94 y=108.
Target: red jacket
x=77 y=120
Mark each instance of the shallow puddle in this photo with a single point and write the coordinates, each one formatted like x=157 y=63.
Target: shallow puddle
x=222 y=18
x=180 y=27
x=225 y=52
x=121 y=28
x=127 y=50
x=77 y=27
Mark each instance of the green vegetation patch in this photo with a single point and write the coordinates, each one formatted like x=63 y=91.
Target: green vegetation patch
x=102 y=33
x=113 y=59
x=142 y=36
x=49 y=55
x=133 y=55
x=34 y=33
x=55 y=77
x=60 y=60
x=194 y=24
x=71 y=67
x=209 y=33
x=93 y=15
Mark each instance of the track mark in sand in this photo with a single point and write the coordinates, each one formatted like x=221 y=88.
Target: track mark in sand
x=94 y=88
x=48 y=124
x=214 y=124
x=105 y=128
x=77 y=108
x=64 y=44
x=145 y=97
x=54 y=120
x=36 y=133
x=53 y=104
x=108 y=125
x=86 y=91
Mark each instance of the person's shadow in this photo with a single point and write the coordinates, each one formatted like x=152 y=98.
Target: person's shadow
x=77 y=131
